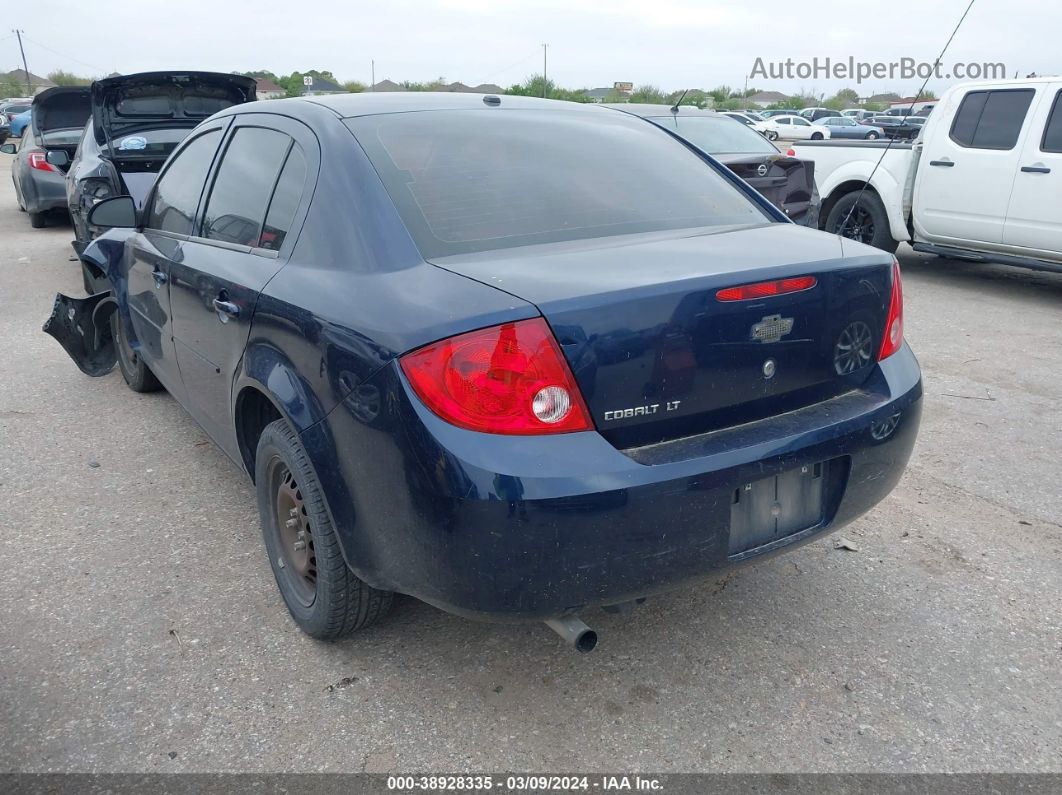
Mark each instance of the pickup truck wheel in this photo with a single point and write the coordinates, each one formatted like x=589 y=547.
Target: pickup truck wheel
x=134 y=371
x=868 y=222
x=38 y=220
x=326 y=599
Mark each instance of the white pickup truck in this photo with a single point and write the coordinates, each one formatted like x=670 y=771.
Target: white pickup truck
x=983 y=180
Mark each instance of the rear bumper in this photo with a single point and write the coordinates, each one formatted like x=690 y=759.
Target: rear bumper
x=504 y=528
x=44 y=191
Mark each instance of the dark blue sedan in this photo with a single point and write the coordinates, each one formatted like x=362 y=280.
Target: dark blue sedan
x=515 y=357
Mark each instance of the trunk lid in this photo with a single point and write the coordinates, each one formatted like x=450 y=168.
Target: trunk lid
x=786 y=182
x=131 y=103
x=658 y=356
x=61 y=108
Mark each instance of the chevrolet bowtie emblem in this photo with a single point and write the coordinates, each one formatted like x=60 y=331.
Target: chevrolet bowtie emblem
x=772 y=328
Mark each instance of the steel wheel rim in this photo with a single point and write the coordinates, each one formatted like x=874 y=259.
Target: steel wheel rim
x=858 y=224
x=294 y=535
x=853 y=349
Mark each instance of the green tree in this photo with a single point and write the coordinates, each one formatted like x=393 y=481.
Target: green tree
x=61 y=78
x=720 y=94
x=354 y=86
x=11 y=88
x=648 y=94
x=536 y=86
x=695 y=97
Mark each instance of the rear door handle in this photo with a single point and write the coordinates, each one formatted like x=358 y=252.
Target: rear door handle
x=1036 y=169
x=225 y=309
x=948 y=163
x=159 y=277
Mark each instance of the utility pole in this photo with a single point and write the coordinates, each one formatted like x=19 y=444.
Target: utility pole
x=372 y=72
x=29 y=88
x=544 y=48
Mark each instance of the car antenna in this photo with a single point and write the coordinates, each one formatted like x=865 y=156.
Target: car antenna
x=914 y=101
x=674 y=108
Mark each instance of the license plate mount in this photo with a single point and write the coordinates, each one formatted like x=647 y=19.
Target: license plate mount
x=765 y=511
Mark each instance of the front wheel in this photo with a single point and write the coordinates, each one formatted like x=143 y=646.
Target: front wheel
x=326 y=599
x=816 y=136
x=872 y=136
x=862 y=218
x=134 y=371
x=772 y=135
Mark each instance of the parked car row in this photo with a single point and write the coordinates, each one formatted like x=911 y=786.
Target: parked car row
x=515 y=357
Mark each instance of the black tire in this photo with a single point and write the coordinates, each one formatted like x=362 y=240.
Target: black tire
x=136 y=374
x=869 y=223
x=38 y=220
x=772 y=135
x=872 y=136
x=325 y=598
x=816 y=136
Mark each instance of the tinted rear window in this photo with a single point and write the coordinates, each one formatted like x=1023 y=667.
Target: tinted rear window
x=717 y=136
x=1052 y=140
x=991 y=119
x=467 y=181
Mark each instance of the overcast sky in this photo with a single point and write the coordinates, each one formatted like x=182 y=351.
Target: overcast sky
x=671 y=43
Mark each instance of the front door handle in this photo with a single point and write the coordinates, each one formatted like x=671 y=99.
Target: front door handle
x=947 y=163
x=225 y=309
x=159 y=277
x=1036 y=169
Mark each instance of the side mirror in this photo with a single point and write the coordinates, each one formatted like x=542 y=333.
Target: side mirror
x=115 y=212
x=57 y=157
x=9 y=149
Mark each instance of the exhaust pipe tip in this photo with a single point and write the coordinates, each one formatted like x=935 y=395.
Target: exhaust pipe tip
x=574 y=632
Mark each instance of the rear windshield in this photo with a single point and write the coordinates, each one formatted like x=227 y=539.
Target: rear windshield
x=468 y=181
x=718 y=135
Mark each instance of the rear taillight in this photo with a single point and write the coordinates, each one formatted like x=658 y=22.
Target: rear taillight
x=893 y=338
x=748 y=292
x=509 y=379
x=38 y=160
x=791 y=152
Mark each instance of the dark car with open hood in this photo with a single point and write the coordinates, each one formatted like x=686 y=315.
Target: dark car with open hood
x=515 y=357
x=786 y=181
x=136 y=121
x=43 y=154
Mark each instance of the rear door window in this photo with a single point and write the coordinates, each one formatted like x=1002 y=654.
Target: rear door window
x=244 y=184
x=285 y=201
x=179 y=188
x=991 y=119
x=1052 y=140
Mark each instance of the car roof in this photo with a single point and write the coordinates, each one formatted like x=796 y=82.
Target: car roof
x=646 y=110
x=370 y=102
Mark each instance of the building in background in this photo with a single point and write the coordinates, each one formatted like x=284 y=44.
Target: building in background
x=267 y=89
x=35 y=85
x=764 y=99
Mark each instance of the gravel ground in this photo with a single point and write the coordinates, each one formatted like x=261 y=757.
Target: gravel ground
x=140 y=628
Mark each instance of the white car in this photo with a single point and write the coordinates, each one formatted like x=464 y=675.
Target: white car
x=793 y=128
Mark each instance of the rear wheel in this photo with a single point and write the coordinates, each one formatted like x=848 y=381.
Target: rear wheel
x=134 y=371
x=872 y=136
x=38 y=220
x=326 y=599
x=772 y=135
x=862 y=218
x=816 y=136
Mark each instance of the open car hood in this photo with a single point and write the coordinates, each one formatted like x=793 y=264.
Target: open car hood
x=121 y=105
x=61 y=108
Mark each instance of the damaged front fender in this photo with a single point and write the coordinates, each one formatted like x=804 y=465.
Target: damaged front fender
x=83 y=327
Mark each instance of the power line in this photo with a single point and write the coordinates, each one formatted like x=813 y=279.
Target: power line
x=64 y=55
